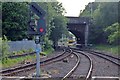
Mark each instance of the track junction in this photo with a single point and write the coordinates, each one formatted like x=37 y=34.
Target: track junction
x=71 y=64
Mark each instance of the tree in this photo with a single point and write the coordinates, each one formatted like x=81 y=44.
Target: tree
x=56 y=22
x=103 y=14
x=113 y=33
x=58 y=29
x=0 y=19
x=14 y=20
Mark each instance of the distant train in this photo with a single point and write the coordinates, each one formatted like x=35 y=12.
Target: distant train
x=71 y=41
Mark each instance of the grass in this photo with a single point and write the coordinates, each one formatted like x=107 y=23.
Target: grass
x=48 y=51
x=22 y=51
x=12 y=62
x=108 y=48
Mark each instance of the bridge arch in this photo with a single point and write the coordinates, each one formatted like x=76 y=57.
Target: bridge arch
x=79 y=27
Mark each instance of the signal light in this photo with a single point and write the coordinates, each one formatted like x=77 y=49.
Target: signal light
x=41 y=29
x=41 y=26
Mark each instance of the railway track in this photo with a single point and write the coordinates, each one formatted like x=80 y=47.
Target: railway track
x=111 y=59
x=117 y=58
x=89 y=73
x=23 y=68
x=107 y=57
x=60 y=57
x=72 y=71
x=74 y=68
x=113 y=64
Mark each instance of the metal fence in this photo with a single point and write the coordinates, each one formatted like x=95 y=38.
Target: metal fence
x=21 y=45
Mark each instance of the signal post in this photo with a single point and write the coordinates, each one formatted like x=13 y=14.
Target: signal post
x=37 y=28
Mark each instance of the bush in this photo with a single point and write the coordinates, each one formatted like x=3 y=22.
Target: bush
x=30 y=50
x=113 y=33
x=4 y=49
x=0 y=47
x=48 y=44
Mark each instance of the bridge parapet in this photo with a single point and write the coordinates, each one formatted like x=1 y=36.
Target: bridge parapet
x=78 y=20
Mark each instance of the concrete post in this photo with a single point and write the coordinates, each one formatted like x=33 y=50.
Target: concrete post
x=86 y=35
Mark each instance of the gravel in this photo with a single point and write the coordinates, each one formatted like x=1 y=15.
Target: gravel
x=101 y=67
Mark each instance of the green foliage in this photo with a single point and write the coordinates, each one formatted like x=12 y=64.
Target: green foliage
x=58 y=29
x=0 y=19
x=22 y=51
x=108 y=48
x=4 y=49
x=56 y=22
x=5 y=52
x=30 y=50
x=53 y=9
x=48 y=43
x=103 y=14
x=0 y=48
x=113 y=33
x=15 y=19
x=13 y=62
x=48 y=51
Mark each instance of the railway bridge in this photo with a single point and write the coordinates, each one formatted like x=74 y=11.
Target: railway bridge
x=79 y=26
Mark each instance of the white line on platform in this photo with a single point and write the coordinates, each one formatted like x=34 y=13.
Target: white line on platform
x=10 y=77
x=104 y=77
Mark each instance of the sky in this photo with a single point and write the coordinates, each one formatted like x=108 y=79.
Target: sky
x=73 y=7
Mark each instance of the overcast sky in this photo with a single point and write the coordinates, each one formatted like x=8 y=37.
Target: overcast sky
x=73 y=7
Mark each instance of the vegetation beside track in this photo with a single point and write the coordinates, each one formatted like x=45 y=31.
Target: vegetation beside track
x=12 y=62
x=108 y=48
x=48 y=51
x=6 y=62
